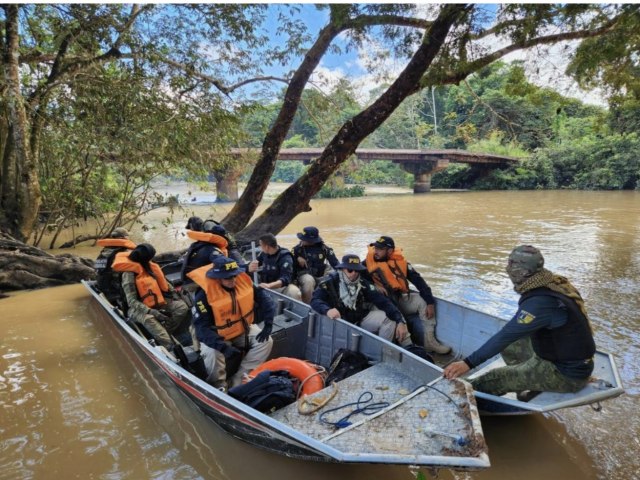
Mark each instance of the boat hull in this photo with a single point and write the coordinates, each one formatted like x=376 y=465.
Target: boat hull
x=296 y=324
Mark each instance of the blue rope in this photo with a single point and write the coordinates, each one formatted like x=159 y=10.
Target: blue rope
x=361 y=407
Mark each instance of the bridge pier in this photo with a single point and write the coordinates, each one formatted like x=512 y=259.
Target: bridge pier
x=422 y=183
x=422 y=173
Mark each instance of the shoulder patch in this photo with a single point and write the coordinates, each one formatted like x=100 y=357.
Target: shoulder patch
x=201 y=307
x=525 y=317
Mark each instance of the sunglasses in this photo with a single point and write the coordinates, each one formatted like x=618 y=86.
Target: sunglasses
x=350 y=270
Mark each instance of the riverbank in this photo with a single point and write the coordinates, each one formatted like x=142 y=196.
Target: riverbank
x=193 y=194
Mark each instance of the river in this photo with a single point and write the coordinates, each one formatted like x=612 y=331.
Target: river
x=73 y=405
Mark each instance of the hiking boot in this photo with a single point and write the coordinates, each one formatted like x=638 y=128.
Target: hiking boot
x=431 y=343
x=527 y=395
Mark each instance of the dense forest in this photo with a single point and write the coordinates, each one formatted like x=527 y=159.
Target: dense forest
x=563 y=142
x=98 y=101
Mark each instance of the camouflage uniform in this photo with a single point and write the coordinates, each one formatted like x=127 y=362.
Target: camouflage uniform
x=551 y=314
x=176 y=310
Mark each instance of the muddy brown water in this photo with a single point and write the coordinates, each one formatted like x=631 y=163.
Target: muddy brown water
x=75 y=404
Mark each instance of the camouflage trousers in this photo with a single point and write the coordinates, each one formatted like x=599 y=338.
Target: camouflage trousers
x=525 y=371
x=179 y=320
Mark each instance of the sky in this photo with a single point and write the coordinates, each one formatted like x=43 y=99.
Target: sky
x=544 y=68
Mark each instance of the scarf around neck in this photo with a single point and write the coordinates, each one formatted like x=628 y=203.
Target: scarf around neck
x=557 y=283
x=349 y=290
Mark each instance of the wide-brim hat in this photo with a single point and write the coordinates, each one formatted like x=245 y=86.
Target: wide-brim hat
x=351 y=262
x=309 y=234
x=224 y=267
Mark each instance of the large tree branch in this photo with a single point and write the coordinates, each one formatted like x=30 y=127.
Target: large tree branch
x=443 y=76
x=295 y=199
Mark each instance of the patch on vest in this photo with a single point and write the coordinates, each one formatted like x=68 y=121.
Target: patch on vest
x=525 y=317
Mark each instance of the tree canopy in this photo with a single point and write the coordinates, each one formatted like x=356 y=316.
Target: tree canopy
x=97 y=100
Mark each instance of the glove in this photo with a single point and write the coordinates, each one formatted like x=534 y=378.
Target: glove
x=158 y=315
x=263 y=336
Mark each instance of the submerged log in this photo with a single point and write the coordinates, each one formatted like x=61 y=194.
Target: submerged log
x=26 y=267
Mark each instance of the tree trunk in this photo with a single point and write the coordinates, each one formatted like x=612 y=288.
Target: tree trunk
x=246 y=205
x=25 y=267
x=295 y=199
x=22 y=191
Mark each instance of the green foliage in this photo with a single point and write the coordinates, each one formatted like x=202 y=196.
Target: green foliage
x=328 y=191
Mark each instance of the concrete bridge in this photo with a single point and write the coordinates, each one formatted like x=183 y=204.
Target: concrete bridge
x=421 y=163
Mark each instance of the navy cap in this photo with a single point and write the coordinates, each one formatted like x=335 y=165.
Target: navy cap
x=351 y=262
x=224 y=267
x=309 y=234
x=384 y=242
x=194 y=223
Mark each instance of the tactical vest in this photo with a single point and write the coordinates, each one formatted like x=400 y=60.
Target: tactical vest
x=232 y=310
x=270 y=269
x=391 y=273
x=151 y=286
x=315 y=255
x=571 y=341
x=109 y=281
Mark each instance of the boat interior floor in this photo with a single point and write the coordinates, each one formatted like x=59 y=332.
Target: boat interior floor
x=419 y=416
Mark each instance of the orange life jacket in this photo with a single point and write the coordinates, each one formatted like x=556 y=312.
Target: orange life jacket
x=232 y=314
x=217 y=240
x=151 y=288
x=394 y=269
x=116 y=242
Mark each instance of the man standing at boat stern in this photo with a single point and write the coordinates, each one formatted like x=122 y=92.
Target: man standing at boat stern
x=548 y=344
x=392 y=274
x=226 y=307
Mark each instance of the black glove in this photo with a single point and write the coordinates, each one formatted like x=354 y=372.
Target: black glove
x=158 y=315
x=263 y=336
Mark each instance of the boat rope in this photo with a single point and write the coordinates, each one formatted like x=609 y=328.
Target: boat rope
x=316 y=403
x=362 y=406
x=320 y=370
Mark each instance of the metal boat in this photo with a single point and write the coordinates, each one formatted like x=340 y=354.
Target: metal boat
x=425 y=421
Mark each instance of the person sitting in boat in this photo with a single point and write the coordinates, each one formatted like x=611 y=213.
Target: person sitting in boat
x=232 y=246
x=548 y=344
x=275 y=267
x=224 y=316
x=346 y=294
x=151 y=300
x=310 y=261
x=392 y=274
x=209 y=242
x=109 y=281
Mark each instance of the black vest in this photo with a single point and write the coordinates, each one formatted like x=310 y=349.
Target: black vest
x=108 y=281
x=332 y=286
x=570 y=342
x=271 y=265
x=316 y=257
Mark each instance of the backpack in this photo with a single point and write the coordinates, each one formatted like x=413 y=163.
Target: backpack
x=346 y=363
x=267 y=392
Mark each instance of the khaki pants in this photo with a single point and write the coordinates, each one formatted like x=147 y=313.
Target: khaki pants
x=377 y=322
x=215 y=361
x=410 y=305
x=307 y=283
x=290 y=291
